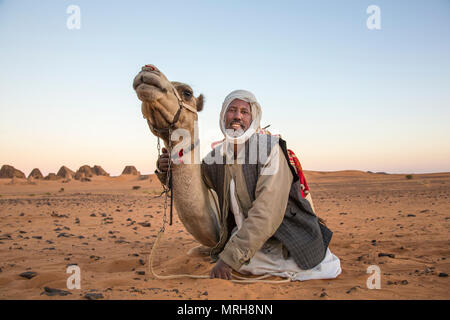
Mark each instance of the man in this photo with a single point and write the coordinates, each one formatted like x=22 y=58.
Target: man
x=265 y=224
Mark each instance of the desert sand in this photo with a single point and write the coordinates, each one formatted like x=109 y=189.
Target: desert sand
x=108 y=225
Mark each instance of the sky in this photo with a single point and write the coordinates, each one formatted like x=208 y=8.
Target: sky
x=343 y=96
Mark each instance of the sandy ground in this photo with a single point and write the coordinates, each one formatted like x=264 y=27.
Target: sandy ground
x=101 y=227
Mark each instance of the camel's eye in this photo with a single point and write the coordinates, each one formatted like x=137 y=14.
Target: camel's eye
x=187 y=94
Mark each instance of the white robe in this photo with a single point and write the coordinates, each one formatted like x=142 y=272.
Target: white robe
x=269 y=259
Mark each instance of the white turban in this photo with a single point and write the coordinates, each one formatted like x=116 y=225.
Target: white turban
x=256 y=115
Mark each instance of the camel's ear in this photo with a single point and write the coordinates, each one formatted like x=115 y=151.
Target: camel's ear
x=200 y=103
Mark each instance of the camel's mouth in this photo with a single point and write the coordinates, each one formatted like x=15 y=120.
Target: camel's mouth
x=149 y=87
x=148 y=92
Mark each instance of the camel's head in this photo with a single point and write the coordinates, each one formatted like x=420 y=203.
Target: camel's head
x=160 y=103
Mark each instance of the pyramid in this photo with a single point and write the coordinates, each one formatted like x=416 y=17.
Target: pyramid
x=35 y=174
x=84 y=172
x=99 y=171
x=65 y=173
x=131 y=170
x=52 y=177
x=9 y=172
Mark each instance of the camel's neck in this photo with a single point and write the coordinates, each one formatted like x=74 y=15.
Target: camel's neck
x=193 y=202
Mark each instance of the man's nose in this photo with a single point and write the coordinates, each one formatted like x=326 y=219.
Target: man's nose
x=237 y=115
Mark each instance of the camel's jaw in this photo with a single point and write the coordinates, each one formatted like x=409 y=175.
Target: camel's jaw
x=158 y=117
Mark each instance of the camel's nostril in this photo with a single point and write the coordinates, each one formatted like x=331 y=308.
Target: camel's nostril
x=149 y=67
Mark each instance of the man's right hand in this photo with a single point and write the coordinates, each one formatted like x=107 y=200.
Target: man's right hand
x=163 y=161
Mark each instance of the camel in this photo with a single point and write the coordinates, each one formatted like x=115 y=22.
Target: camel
x=163 y=103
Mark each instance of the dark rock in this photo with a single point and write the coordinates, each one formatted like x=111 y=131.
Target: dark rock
x=141 y=273
x=63 y=234
x=28 y=274
x=5 y=237
x=56 y=215
x=55 y=292
x=390 y=255
x=404 y=282
x=443 y=275
x=93 y=296
x=145 y=224
x=37 y=237
x=352 y=289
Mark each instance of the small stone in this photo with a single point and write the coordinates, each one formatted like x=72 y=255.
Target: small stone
x=28 y=274
x=443 y=275
x=63 y=234
x=323 y=294
x=404 y=282
x=390 y=255
x=93 y=296
x=53 y=292
x=144 y=224
x=352 y=289
x=141 y=273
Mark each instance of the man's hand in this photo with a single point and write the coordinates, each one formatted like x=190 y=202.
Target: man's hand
x=163 y=161
x=221 y=270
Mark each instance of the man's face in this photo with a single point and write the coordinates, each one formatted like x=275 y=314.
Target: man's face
x=238 y=115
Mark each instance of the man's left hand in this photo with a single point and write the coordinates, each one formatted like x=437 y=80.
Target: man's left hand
x=221 y=270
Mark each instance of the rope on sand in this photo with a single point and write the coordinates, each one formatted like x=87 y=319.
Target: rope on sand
x=177 y=276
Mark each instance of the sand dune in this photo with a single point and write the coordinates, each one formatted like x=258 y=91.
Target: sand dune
x=107 y=227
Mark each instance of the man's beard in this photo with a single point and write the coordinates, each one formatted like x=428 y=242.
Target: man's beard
x=235 y=133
